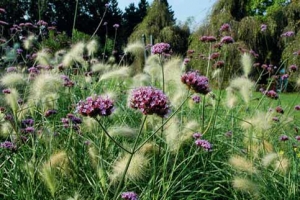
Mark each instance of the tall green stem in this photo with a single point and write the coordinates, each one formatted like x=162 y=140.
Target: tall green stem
x=74 y=20
x=130 y=158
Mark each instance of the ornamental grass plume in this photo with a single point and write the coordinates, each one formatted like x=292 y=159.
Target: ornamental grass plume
x=28 y=42
x=13 y=80
x=121 y=73
x=140 y=80
x=12 y=100
x=244 y=86
x=196 y=82
x=269 y=159
x=247 y=63
x=43 y=58
x=173 y=134
x=282 y=165
x=58 y=162
x=150 y=100
x=137 y=170
x=92 y=47
x=246 y=185
x=100 y=67
x=231 y=99
x=122 y=131
x=242 y=164
x=44 y=84
x=153 y=68
x=137 y=50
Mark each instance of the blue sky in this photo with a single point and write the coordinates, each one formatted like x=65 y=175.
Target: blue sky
x=182 y=8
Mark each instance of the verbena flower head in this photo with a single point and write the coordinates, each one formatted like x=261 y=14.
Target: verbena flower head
x=297 y=107
x=219 y=64
x=203 y=144
x=196 y=98
x=196 y=82
x=208 y=38
x=129 y=196
x=197 y=135
x=288 y=34
x=284 y=76
x=263 y=27
x=161 y=48
x=227 y=40
x=116 y=26
x=225 y=27
x=95 y=106
x=297 y=137
x=283 y=138
x=8 y=145
x=271 y=94
x=150 y=101
x=279 y=110
x=293 y=68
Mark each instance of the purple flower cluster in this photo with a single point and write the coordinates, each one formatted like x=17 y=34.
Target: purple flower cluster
x=197 y=135
x=293 y=68
x=225 y=27
x=271 y=94
x=297 y=107
x=6 y=91
x=116 y=26
x=227 y=40
x=95 y=106
x=8 y=145
x=284 y=76
x=150 y=101
x=67 y=81
x=263 y=27
x=219 y=64
x=71 y=120
x=196 y=82
x=283 y=138
x=279 y=110
x=196 y=99
x=27 y=126
x=51 y=112
x=214 y=56
x=208 y=38
x=161 y=48
x=186 y=61
x=288 y=34
x=129 y=196
x=203 y=144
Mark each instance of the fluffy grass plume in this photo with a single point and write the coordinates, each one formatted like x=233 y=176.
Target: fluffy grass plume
x=244 y=85
x=231 y=99
x=245 y=185
x=261 y=121
x=44 y=84
x=93 y=154
x=173 y=134
x=13 y=80
x=100 y=67
x=136 y=171
x=122 y=131
x=242 y=164
x=57 y=162
x=247 y=63
x=28 y=42
x=92 y=47
x=12 y=100
x=43 y=58
x=153 y=68
x=120 y=73
x=140 y=80
x=282 y=165
x=268 y=159
x=136 y=49
x=6 y=129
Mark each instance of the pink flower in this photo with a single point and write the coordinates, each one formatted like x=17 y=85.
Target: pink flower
x=196 y=98
x=95 y=106
x=208 y=39
x=219 y=64
x=116 y=26
x=150 y=101
x=288 y=34
x=129 y=196
x=161 y=48
x=203 y=144
x=225 y=27
x=271 y=94
x=196 y=82
x=263 y=27
x=226 y=40
x=293 y=68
